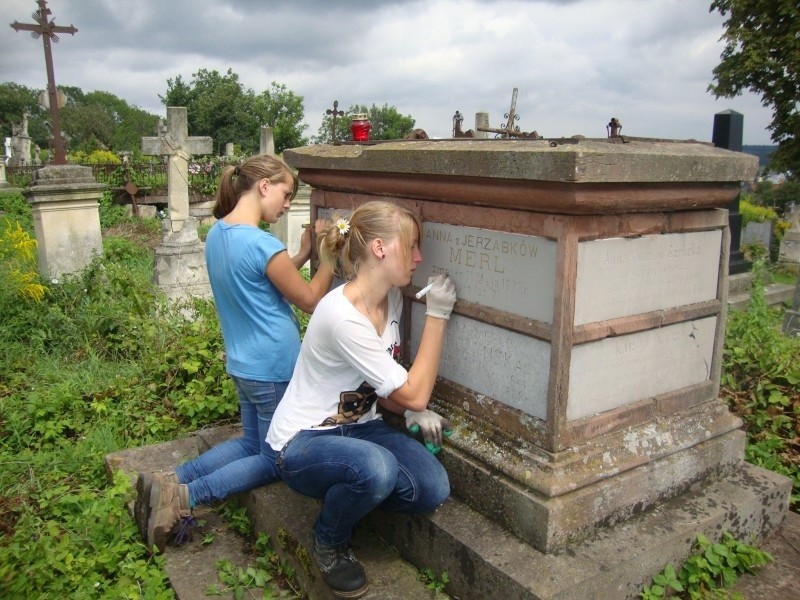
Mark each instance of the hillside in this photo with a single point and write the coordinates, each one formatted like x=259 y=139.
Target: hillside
x=762 y=152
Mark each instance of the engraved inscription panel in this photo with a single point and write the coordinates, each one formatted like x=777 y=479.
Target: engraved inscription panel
x=626 y=276
x=504 y=365
x=617 y=371
x=510 y=272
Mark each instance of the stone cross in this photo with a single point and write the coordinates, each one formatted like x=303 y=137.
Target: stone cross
x=48 y=29
x=174 y=142
x=510 y=130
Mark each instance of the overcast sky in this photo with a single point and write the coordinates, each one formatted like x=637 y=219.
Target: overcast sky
x=576 y=63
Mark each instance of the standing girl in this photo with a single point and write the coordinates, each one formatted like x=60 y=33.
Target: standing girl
x=253 y=281
x=333 y=444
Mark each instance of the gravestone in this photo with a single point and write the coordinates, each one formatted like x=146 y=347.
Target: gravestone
x=180 y=266
x=789 y=254
x=64 y=203
x=3 y=182
x=582 y=362
x=758 y=233
x=20 y=144
x=791 y=318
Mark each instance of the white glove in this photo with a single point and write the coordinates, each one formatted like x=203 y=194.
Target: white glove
x=441 y=298
x=431 y=424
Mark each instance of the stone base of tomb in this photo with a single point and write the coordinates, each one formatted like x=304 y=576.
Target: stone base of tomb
x=483 y=560
x=180 y=263
x=552 y=499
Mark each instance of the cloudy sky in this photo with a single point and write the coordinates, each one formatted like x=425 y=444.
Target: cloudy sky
x=576 y=63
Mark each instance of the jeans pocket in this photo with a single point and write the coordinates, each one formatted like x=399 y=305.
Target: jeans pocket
x=261 y=394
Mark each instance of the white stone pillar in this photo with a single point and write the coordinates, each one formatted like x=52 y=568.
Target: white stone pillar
x=481 y=120
x=289 y=227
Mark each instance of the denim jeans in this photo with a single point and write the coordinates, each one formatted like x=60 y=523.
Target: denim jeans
x=356 y=468
x=243 y=463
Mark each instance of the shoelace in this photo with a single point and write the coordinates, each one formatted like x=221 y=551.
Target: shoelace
x=184 y=534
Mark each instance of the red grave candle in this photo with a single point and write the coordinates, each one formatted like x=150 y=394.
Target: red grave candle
x=359 y=127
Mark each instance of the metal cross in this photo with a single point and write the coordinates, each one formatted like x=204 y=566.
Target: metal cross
x=509 y=130
x=48 y=29
x=334 y=113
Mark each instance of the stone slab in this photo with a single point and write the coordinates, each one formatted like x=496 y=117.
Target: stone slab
x=509 y=272
x=574 y=161
x=650 y=362
x=504 y=365
x=627 y=276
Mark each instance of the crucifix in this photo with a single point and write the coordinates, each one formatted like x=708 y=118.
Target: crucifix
x=509 y=130
x=48 y=29
x=334 y=113
x=174 y=142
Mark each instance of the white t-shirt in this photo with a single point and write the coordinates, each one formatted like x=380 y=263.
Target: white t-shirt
x=343 y=368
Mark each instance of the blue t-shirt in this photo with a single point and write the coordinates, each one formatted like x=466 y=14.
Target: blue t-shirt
x=260 y=329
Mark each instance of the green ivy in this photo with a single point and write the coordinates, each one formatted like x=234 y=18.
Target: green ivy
x=711 y=568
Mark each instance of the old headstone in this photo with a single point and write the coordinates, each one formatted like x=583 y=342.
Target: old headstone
x=267 y=142
x=758 y=233
x=180 y=267
x=789 y=254
x=20 y=144
x=3 y=182
x=791 y=318
x=727 y=133
x=64 y=201
x=481 y=124
x=592 y=287
x=229 y=150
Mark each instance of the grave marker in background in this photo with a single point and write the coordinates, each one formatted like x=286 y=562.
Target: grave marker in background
x=180 y=265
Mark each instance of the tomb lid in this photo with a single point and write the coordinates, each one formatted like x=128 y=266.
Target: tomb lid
x=570 y=160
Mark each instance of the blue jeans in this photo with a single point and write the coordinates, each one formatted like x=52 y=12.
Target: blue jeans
x=243 y=463
x=356 y=468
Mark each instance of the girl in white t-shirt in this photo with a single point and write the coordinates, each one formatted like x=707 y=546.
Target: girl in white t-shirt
x=333 y=444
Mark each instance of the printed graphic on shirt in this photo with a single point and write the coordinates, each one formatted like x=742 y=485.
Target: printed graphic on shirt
x=394 y=352
x=352 y=405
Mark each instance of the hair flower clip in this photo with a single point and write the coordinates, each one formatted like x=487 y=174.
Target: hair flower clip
x=343 y=225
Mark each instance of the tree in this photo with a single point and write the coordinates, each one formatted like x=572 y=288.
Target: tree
x=762 y=54
x=219 y=106
x=16 y=100
x=386 y=124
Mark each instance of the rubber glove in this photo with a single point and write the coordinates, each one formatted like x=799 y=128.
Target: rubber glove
x=432 y=425
x=441 y=298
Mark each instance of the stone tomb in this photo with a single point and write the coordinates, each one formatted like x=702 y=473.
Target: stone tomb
x=582 y=362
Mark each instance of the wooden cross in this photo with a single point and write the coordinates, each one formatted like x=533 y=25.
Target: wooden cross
x=334 y=113
x=48 y=29
x=174 y=141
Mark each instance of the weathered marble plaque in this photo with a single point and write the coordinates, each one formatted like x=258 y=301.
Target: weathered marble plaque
x=510 y=272
x=503 y=365
x=627 y=276
x=617 y=371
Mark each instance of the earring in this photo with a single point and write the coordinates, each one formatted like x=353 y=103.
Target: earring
x=383 y=256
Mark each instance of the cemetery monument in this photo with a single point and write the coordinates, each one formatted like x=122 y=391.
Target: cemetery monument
x=582 y=363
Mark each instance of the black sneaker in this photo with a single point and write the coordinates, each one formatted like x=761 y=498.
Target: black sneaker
x=340 y=571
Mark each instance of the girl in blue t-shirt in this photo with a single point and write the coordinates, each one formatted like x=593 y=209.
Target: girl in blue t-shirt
x=254 y=282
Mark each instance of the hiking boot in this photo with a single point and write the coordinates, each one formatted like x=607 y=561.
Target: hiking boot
x=169 y=503
x=340 y=570
x=141 y=506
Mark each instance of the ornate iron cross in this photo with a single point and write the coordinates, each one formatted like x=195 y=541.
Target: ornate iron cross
x=334 y=113
x=48 y=29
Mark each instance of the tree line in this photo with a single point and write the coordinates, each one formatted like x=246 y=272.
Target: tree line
x=218 y=105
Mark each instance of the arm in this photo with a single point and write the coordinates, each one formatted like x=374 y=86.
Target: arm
x=283 y=273
x=416 y=391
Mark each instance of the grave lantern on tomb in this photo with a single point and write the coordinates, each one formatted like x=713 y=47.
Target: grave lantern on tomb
x=359 y=127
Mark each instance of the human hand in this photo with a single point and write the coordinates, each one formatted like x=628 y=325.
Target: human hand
x=441 y=298
x=305 y=241
x=321 y=226
x=432 y=425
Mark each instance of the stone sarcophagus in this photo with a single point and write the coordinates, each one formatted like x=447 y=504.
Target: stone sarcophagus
x=582 y=362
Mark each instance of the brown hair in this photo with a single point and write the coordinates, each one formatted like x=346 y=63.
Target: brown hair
x=236 y=180
x=375 y=219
